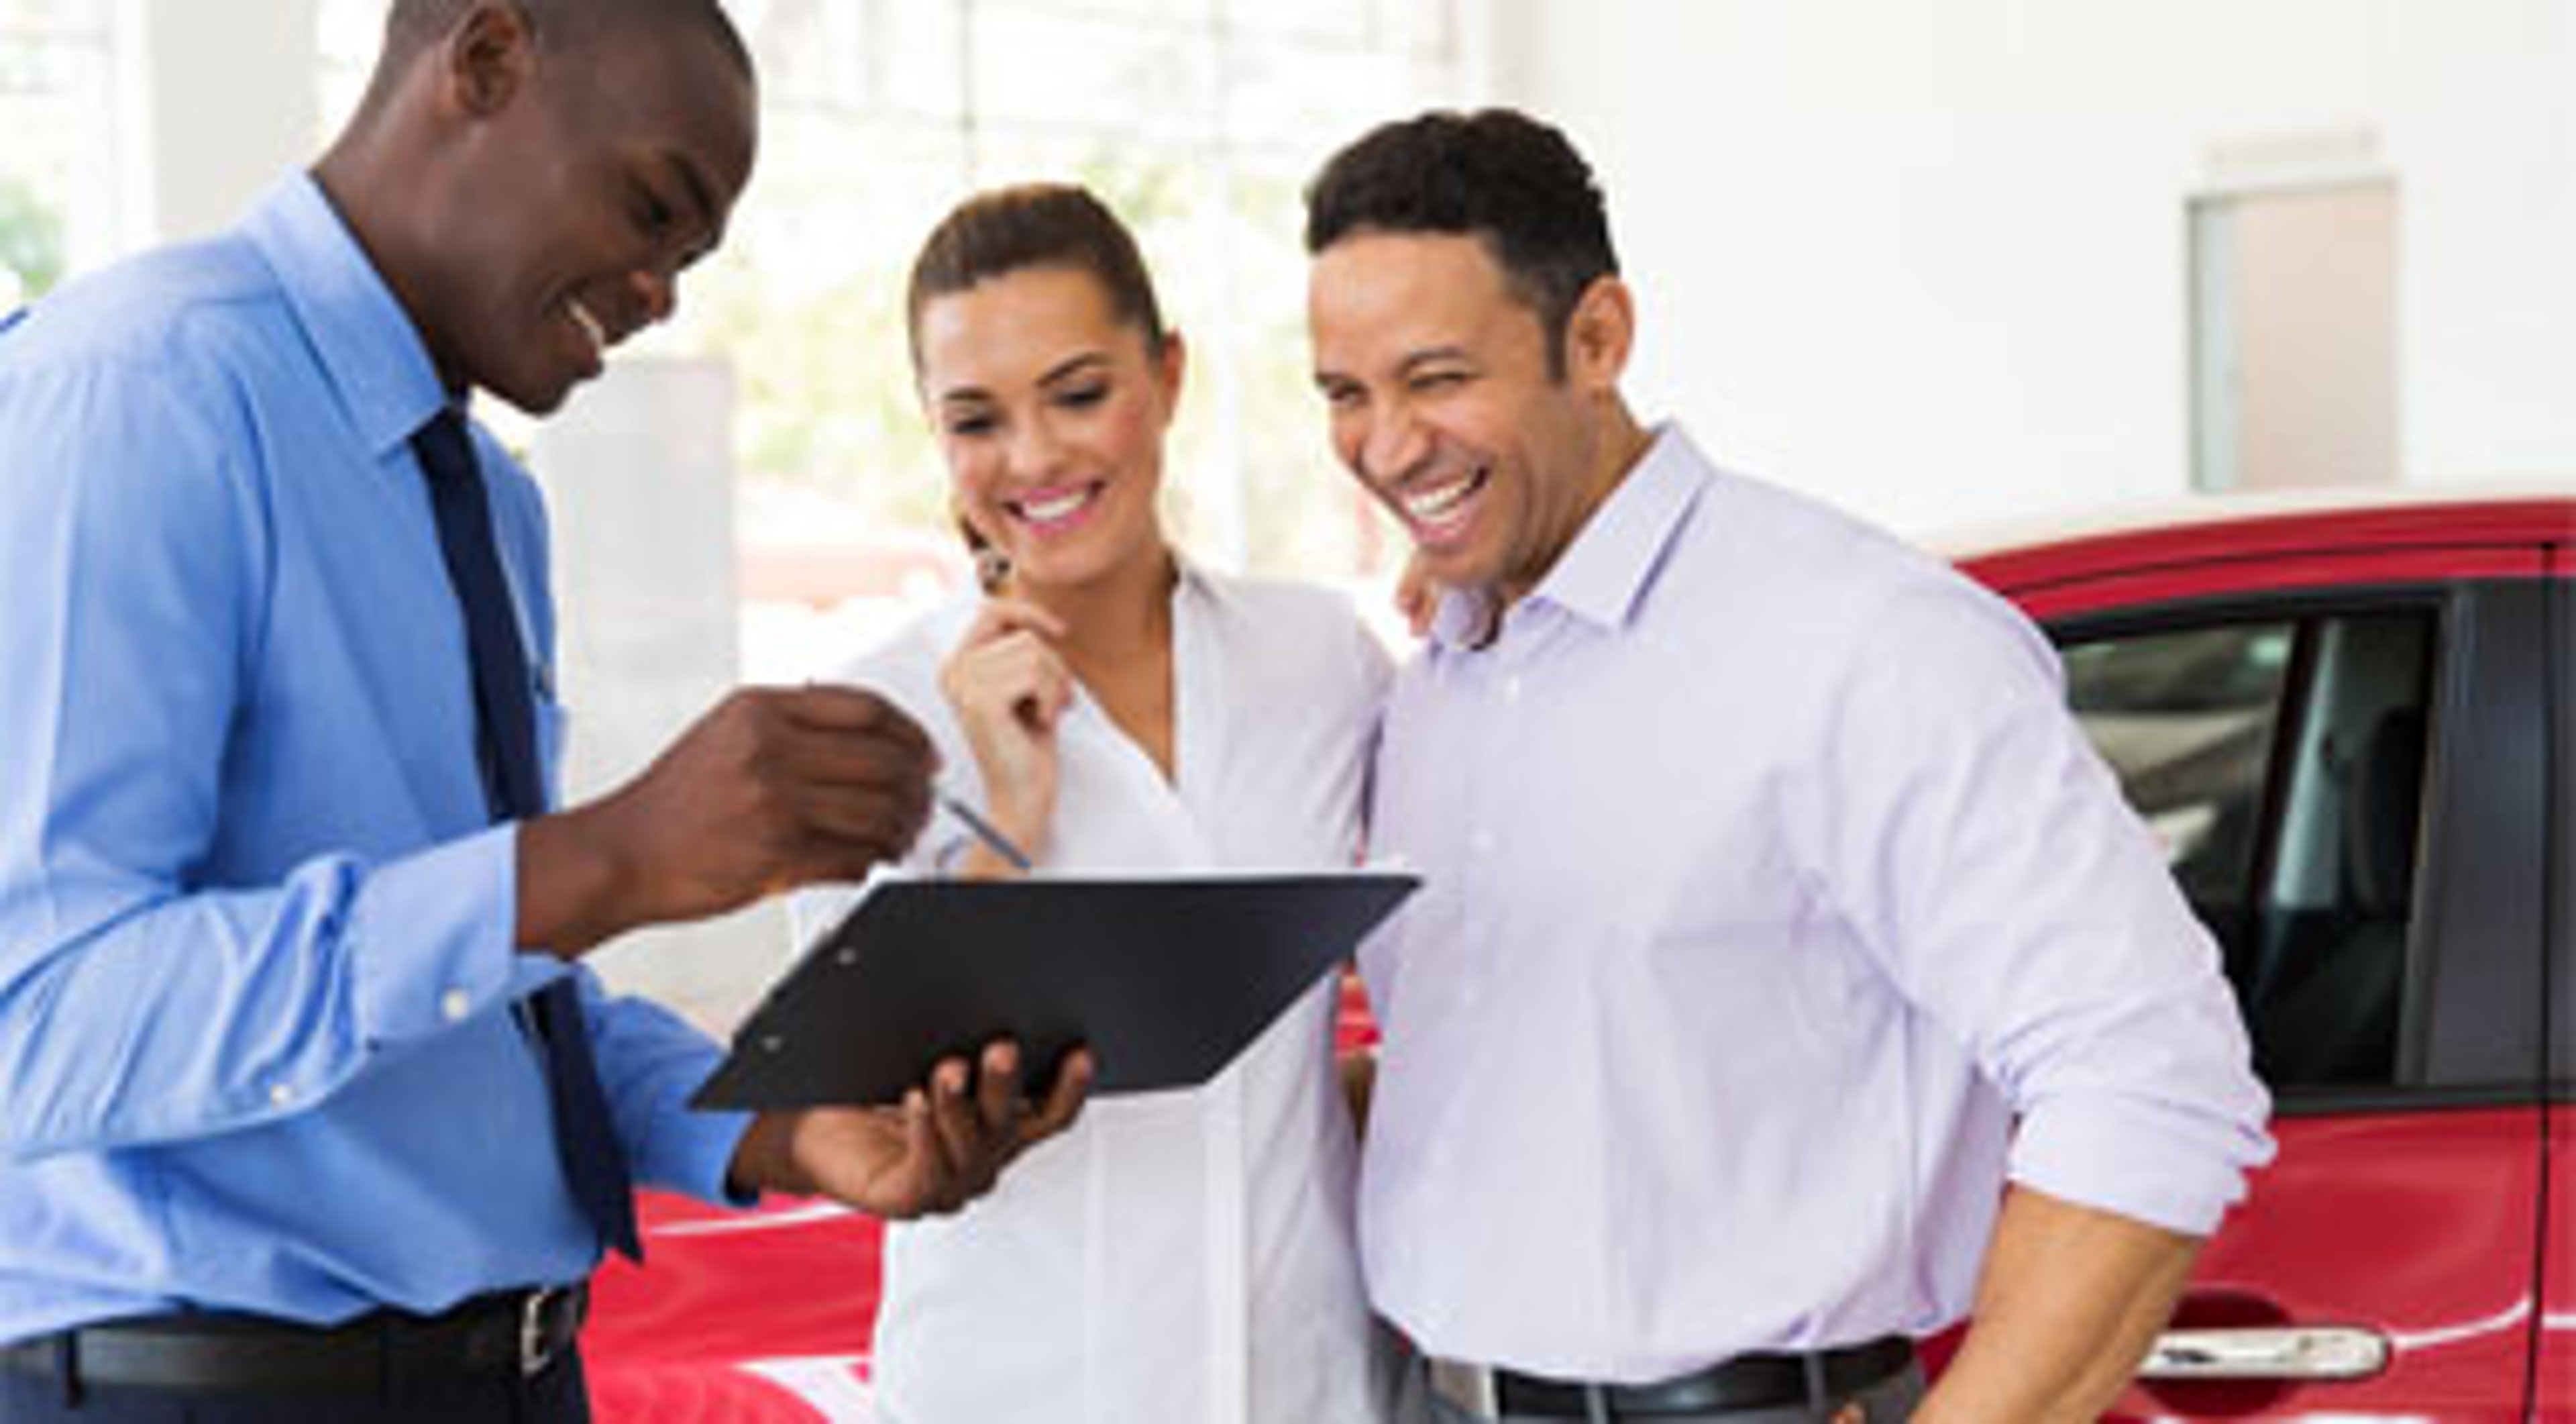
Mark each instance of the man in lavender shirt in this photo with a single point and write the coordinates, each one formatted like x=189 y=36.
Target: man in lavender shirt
x=1790 y=980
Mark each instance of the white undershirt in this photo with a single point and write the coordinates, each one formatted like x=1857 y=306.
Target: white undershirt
x=1183 y=1257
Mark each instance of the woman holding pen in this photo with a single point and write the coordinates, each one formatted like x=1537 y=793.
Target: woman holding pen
x=1107 y=705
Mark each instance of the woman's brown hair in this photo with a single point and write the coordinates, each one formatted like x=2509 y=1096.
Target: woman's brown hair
x=1005 y=230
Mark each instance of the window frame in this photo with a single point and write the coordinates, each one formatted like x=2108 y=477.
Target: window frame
x=2559 y=676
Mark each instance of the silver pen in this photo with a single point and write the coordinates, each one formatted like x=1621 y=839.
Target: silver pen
x=985 y=831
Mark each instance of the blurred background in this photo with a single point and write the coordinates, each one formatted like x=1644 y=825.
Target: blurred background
x=1948 y=263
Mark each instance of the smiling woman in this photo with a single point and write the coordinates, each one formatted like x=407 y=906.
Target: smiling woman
x=1053 y=435
x=1112 y=704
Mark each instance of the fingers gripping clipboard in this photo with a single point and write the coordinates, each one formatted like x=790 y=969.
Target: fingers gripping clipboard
x=1167 y=979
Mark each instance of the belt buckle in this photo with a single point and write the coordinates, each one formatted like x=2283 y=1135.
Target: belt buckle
x=535 y=1351
x=1469 y=1388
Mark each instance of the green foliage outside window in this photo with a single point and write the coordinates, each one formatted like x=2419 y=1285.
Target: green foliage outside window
x=31 y=241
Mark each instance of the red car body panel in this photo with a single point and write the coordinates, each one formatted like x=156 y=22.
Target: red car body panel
x=2418 y=1226
x=2555 y=1374
x=2452 y=1233
x=2304 y=570
x=760 y=1316
x=2206 y=545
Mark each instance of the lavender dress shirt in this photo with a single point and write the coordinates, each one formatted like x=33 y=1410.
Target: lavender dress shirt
x=1776 y=913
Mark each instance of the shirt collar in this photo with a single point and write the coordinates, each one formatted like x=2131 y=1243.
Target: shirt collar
x=1614 y=555
x=370 y=352
x=1191 y=581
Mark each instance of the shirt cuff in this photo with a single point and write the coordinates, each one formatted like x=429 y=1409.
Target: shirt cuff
x=691 y=1152
x=431 y=939
x=2165 y=1166
x=652 y=1062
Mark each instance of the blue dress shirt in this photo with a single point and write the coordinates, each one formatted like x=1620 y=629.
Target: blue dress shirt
x=256 y=964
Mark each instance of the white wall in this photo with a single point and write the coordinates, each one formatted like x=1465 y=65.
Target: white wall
x=224 y=97
x=1930 y=260
x=639 y=481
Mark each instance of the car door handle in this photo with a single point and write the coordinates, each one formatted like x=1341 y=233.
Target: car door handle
x=2267 y=1353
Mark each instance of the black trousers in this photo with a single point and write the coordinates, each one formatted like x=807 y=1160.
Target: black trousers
x=555 y=1395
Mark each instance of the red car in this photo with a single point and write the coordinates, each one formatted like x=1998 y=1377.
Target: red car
x=2354 y=727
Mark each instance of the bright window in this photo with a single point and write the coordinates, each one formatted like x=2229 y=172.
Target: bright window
x=57 y=106
x=1198 y=120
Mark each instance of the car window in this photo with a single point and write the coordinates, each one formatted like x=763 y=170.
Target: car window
x=2187 y=719
x=2281 y=765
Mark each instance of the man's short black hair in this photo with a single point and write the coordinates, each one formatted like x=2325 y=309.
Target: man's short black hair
x=411 y=25
x=1495 y=174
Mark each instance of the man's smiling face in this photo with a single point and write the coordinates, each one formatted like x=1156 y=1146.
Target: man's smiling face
x=597 y=178
x=1444 y=405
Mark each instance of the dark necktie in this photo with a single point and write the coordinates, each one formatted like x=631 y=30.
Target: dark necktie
x=506 y=727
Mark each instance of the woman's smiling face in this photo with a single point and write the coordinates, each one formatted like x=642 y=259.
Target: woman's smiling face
x=1050 y=412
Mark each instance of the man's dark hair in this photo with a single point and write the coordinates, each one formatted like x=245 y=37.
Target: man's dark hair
x=1033 y=225
x=412 y=25
x=1496 y=174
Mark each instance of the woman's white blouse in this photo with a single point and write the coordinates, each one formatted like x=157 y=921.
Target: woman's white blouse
x=1184 y=1257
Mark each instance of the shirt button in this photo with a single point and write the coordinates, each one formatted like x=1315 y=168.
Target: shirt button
x=280 y=1094
x=454 y=1005
x=1511 y=689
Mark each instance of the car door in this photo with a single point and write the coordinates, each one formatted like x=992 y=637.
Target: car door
x=2349 y=778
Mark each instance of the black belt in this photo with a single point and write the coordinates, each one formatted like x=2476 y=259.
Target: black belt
x=508 y=1332
x=1745 y=1382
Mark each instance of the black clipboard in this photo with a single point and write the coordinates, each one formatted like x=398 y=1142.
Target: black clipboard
x=1167 y=979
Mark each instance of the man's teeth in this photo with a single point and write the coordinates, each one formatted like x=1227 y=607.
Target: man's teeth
x=1042 y=511
x=589 y=325
x=1433 y=505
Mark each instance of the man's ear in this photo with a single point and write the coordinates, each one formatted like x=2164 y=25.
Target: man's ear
x=486 y=60
x=1599 y=333
x=1171 y=366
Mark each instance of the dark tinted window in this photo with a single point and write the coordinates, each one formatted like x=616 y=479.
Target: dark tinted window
x=2187 y=720
x=2282 y=765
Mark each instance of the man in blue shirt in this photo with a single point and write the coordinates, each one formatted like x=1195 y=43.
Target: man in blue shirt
x=286 y=1127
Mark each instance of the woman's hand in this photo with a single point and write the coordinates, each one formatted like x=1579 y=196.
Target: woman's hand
x=1417 y=597
x=1008 y=685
